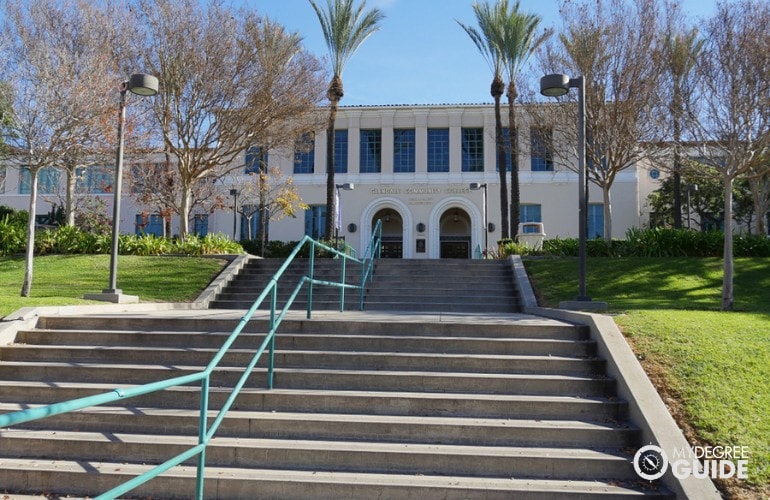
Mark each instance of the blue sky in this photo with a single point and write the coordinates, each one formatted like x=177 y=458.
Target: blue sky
x=420 y=55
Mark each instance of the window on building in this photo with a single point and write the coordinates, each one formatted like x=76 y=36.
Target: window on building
x=541 y=152
x=473 y=149
x=97 y=179
x=315 y=221
x=250 y=221
x=530 y=213
x=438 y=150
x=506 y=144
x=47 y=180
x=341 y=151
x=304 y=155
x=403 y=150
x=595 y=220
x=254 y=155
x=149 y=224
x=200 y=224
x=371 y=151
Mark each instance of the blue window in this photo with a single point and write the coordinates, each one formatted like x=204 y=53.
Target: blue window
x=506 y=145
x=403 y=150
x=315 y=221
x=149 y=224
x=540 y=147
x=47 y=180
x=371 y=151
x=98 y=179
x=438 y=150
x=473 y=149
x=595 y=220
x=530 y=213
x=200 y=224
x=250 y=222
x=341 y=151
x=304 y=155
x=254 y=155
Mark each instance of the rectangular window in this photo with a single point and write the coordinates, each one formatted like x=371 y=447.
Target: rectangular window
x=473 y=149
x=148 y=224
x=250 y=221
x=438 y=150
x=403 y=150
x=541 y=149
x=595 y=220
x=47 y=180
x=371 y=151
x=304 y=155
x=254 y=155
x=200 y=224
x=341 y=151
x=530 y=213
x=506 y=145
x=98 y=179
x=315 y=221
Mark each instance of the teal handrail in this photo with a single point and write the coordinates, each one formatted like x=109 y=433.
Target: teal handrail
x=205 y=432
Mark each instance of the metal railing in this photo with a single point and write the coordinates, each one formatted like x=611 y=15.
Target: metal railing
x=206 y=432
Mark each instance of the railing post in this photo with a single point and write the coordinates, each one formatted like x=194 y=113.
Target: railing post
x=271 y=332
x=202 y=431
x=311 y=273
x=342 y=280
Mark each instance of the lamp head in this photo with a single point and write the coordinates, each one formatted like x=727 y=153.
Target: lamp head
x=554 y=85
x=475 y=186
x=143 y=85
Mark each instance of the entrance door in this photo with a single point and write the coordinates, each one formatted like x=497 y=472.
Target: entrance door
x=392 y=233
x=455 y=234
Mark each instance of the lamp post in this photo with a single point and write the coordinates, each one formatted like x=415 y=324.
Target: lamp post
x=556 y=85
x=141 y=85
x=474 y=187
x=348 y=186
x=234 y=194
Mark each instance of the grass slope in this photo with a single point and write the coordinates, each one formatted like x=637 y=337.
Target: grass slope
x=711 y=367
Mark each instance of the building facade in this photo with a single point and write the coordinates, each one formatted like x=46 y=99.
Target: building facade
x=413 y=168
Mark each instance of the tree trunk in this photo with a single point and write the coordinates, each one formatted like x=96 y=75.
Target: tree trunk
x=26 y=286
x=515 y=192
x=677 y=178
x=607 y=213
x=184 y=211
x=262 y=207
x=727 y=277
x=497 y=91
x=334 y=94
x=69 y=197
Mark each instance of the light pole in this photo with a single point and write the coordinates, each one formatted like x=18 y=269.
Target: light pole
x=234 y=194
x=348 y=186
x=556 y=85
x=474 y=187
x=141 y=85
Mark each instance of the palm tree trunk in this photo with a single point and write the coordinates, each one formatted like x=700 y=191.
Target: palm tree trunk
x=497 y=91
x=515 y=192
x=334 y=94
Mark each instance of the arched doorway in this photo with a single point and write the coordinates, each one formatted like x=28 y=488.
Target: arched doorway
x=392 y=233
x=455 y=234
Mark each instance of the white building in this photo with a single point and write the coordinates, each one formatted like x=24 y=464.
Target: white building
x=412 y=167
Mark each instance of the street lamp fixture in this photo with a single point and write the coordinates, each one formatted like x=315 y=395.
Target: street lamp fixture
x=234 y=193
x=475 y=186
x=348 y=186
x=141 y=85
x=557 y=85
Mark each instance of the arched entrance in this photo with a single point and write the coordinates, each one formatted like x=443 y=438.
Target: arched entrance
x=392 y=233
x=455 y=234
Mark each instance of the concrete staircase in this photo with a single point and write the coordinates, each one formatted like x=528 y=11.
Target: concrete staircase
x=366 y=405
x=399 y=285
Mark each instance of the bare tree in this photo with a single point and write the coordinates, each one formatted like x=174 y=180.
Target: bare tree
x=614 y=45
x=734 y=99
x=61 y=87
x=216 y=91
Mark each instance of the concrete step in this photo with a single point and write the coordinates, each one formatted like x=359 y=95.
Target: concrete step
x=319 y=379
x=562 y=407
x=521 y=346
x=255 y=484
x=350 y=427
x=379 y=360
x=324 y=455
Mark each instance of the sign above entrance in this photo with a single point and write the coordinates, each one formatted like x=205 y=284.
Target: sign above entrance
x=419 y=190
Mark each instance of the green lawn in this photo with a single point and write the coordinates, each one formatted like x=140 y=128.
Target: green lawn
x=64 y=279
x=715 y=364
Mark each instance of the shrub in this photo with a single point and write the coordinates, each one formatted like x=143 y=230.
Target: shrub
x=13 y=234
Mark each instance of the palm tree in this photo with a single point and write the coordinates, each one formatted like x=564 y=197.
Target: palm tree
x=682 y=51
x=519 y=41
x=487 y=39
x=345 y=28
